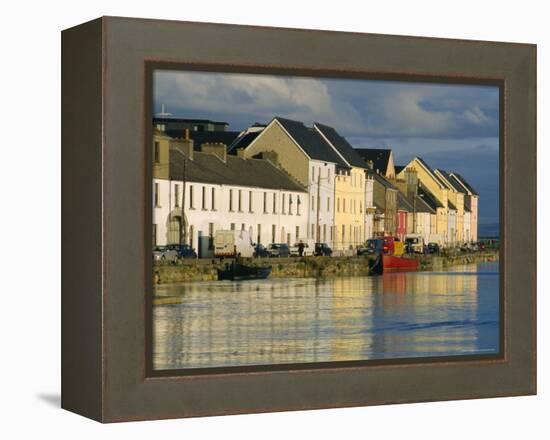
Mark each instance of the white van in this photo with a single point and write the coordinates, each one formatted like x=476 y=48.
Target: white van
x=228 y=243
x=416 y=242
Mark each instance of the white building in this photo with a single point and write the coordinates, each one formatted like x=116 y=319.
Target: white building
x=223 y=191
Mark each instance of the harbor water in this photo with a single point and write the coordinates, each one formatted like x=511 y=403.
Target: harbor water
x=282 y=321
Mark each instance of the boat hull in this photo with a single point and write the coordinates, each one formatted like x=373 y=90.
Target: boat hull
x=241 y=273
x=392 y=263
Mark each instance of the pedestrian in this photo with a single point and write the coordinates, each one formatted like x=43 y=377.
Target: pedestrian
x=301 y=249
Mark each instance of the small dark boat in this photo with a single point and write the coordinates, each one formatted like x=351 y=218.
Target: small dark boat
x=376 y=266
x=238 y=272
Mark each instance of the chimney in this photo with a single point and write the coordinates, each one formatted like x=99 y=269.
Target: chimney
x=411 y=178
x=272 y=156
x=217 y=149
x=185 y=145
x=370 y=164
x=240 y=153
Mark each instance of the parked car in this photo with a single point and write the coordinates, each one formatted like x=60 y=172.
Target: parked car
x=322 y=250
x=183 y=250
x=163 y=253
x=278 y=250
x=309 y=248
x=434 y=248
x=260 y=251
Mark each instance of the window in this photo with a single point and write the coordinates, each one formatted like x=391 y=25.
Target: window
x=273 y=231
x=312 y=174
x=343 y=205
x=232 y=226
x=211 y=230
x=156 y=151
x=265 y=202
x=243 y=227
x=204 y=198
x=331 y=233
x=154 y=234
x=312 y=203
x=177 y=195
x=298 y=203
x=157 y=195
x=213 y=199
x=250 y=207
x=324 y=232
x=328 y=174
x=191 y=198
x=239 y=203
x=259 y=238
x=297 y=233
x=338 y=204
x=283 y=209
x=328 y=204
x=274 y=203
x=191 y=235
x=231 y=200
x=312 y=230
x=290 y=204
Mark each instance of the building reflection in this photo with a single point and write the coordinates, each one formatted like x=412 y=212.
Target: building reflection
x=315 y=320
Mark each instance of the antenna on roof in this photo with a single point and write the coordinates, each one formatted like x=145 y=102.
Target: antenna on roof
x=163 y=113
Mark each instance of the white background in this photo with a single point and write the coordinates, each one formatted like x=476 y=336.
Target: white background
x=30 y=219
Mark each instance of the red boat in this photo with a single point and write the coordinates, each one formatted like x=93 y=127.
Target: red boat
x=390 y=257
x=391 y=263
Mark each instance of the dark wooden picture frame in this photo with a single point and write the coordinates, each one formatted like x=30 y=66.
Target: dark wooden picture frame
x=106 y=195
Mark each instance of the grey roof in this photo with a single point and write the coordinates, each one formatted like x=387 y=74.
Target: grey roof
x=244 y=140
x=311 y=141
x=385 y=183
x=403 y=204
x=422 y=205
x=428 y=197
x=204 y=137
x=208 y=168
x=380 y=157
x=452 y=182
x=398 y=169
x=465 y=183
x=342 y=145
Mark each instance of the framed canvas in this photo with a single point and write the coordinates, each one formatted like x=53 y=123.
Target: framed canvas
x=281 y=219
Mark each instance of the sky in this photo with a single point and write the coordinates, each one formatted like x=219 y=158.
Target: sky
x=453 y=127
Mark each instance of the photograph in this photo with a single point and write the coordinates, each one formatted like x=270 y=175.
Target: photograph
x=303 y=220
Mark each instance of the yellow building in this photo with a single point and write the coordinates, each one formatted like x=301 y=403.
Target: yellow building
x=432 y=185
x=349 y=213
x=456 y=196
x=350 y=191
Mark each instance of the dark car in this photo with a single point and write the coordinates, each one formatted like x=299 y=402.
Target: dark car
x=183 y=250
x=322 y=250
x=260 y=251
x=278 y=250
x=433 y=248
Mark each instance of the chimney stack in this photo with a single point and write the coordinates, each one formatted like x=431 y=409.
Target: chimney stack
x=216 y=148
x=185 y=146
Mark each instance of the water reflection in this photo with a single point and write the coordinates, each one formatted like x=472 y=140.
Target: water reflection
x=310 y=320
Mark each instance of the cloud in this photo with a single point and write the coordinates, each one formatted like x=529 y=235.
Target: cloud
x=356 y=108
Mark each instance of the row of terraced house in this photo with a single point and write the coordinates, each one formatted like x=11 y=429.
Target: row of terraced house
x=288 y=182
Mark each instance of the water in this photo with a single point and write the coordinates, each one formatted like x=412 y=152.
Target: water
x=281 y=321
